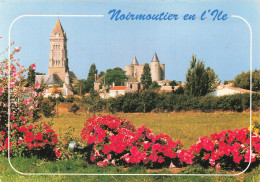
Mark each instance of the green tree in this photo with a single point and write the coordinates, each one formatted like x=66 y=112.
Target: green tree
x=173 y=83
x=199 y=81
x=91 y=77
x=31 y=77
x=146 y=78
x=101 y=74
x=116 y=75
x=243 y=80
x=81 y=87
x=154 y=86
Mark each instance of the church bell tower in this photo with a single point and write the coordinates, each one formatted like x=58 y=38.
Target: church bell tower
x=58 y=61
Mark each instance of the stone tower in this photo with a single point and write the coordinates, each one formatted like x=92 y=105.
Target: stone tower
x=155 y=68
x=58 y=62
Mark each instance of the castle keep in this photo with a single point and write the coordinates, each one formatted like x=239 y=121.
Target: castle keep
x=157 y=69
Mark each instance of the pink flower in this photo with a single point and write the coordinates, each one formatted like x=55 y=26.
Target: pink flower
x=218 y=166
x=212 y=162
x=206 y=157
x=33 y=66
x=27 y=102
x=15 y=75
x=11 y=84
x=17 y=49
x=13 y=68
x=237 y=159
x=113 y=162
x=34 y=94
x=37 y=85
x=2 y=90
x=172 y=166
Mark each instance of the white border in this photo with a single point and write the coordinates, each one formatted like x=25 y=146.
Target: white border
x=91 y=174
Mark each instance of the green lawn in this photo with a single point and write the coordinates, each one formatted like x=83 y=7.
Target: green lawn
x=34 y=165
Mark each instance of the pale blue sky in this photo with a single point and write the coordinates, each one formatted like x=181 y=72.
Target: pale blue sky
x=224 y=46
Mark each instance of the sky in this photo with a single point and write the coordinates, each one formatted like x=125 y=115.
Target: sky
x=223 y=45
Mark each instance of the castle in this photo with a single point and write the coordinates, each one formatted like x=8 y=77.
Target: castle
x=135 y=71
x=58 y=71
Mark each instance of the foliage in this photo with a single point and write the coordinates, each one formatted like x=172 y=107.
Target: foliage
x=74 y=108
x=243 y=80
x=25 y=101
x=146 y=78
x=89 y=83
x=154 y=86
x=82 y=86
x=114 y=141
x=116 y=75
x=199 y=81
x=227 y=150
x=147 y=101
x=31 y=76
x=48 y=108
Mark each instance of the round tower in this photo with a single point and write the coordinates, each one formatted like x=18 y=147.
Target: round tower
x=155 y=68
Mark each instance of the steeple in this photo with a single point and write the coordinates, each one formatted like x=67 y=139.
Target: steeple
x=135 y=62
x=58 y=61
x=155 y=58
x=58 y=29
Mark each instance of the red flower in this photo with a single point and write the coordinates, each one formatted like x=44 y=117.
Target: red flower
x=58 y=152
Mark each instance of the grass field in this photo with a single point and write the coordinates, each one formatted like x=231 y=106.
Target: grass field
x=186 y=126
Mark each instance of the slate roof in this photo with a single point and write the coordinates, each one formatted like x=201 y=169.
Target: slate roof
x=73 y=76
x=155 y=58
x=54 y=79
x=135 y=62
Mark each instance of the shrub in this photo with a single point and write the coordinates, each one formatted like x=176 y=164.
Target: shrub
x=73 y=108
x=114 y=141
x=26 y=100
x=47 y=108
x=227 y=150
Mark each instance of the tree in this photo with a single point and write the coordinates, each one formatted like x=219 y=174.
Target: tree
x=101 y=74
x=81 y=87
x=91 y=77
x=31 y=76
x=116 y=75
x=173 y=83
x=200 y=81
x=243 y=80
x=154 y=86
x=146 y=78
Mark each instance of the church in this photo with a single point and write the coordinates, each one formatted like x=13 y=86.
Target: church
x=59 y=75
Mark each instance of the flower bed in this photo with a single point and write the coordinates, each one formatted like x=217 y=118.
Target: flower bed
x=115 y=141
x=228 y=149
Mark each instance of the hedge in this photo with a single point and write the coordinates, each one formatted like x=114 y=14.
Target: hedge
x=167 y=102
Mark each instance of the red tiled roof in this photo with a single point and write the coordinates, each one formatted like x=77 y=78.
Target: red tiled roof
x=118 y=88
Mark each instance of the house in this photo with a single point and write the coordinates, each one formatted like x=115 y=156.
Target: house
x=119 y=90
x=225 y=90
